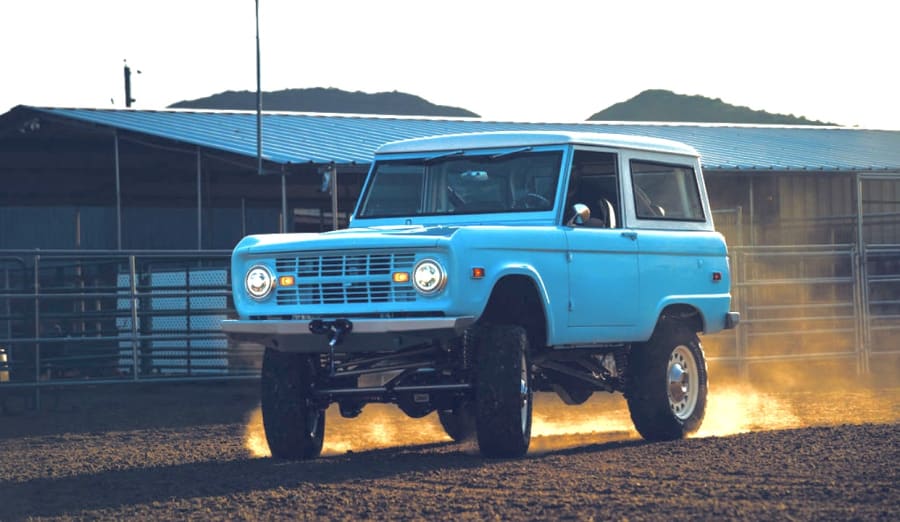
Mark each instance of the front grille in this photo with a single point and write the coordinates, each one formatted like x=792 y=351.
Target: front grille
x=329 y=279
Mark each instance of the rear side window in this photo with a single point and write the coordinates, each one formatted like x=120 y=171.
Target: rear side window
x=666 y=192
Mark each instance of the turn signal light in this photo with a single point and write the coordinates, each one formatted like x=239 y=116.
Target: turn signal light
x=286 y=281
x=477 y=272
x=400 y=277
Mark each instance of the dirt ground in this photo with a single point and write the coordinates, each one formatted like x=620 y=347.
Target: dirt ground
x=174 y=452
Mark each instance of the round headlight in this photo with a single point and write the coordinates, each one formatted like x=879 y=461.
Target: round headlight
x=429 y=277
x=259 y=282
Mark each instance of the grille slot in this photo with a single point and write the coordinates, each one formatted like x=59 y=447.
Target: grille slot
x=345 y=279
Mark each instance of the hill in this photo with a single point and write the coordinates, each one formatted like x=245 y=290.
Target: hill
x=662 y=105
x=320 y=99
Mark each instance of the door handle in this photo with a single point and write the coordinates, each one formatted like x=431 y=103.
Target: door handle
x=630 y=235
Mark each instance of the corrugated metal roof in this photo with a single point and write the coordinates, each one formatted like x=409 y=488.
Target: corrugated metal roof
x=348 y=139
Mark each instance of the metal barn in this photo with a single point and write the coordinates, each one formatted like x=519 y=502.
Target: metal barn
x=116 y=226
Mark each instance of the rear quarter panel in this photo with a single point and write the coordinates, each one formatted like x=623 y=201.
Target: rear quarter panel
x=677 y=267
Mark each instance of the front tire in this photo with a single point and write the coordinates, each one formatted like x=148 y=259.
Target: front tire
x=294 y=424
x=503 y=394
x=458 y=423
x=667 y=384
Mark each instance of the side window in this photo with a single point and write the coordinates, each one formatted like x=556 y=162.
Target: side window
x=665 y=191
x=594 y=182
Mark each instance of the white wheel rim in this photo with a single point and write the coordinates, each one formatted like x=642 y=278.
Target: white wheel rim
x=683 y=387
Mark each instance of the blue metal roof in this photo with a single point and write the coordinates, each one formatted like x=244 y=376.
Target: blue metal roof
x=352 y=139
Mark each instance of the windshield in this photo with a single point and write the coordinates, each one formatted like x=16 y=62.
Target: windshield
x=519 y=181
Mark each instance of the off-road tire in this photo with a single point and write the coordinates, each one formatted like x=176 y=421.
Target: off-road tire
x=667 y=384
x=294 y=424
x=503 y=394
x=458 y=423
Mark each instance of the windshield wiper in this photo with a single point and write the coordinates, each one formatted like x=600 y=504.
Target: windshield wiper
x=432 y=159
x=510 y=153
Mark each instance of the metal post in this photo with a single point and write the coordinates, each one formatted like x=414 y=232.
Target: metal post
x=77 y=228
x=752 y=215
x=132 y=269
x=862 y=277
x=118 y=193
x=857 y=309
x=259 y=167
x=199 y=200
x=243 y=216
x=187 y=314
x=742 y=335
x=284 y=205
x=37 y=332
x=334 y=198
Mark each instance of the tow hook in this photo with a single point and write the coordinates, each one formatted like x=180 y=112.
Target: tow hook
x=335 y=330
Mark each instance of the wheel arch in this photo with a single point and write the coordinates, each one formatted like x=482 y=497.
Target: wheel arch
x=681 y=313
x=519 y=297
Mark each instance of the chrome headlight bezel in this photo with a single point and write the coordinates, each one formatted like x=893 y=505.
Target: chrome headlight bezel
x=262 y=288
x=429 y=277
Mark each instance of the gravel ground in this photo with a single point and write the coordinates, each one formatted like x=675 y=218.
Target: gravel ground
x=188 y=452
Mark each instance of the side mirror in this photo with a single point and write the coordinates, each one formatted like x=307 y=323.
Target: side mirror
x=581 y=215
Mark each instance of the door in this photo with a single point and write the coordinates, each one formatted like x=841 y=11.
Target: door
x=603 y=278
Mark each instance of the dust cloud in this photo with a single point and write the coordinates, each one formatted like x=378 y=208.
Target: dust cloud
x=732 y=408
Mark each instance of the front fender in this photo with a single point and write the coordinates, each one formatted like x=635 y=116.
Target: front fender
x=540 y=285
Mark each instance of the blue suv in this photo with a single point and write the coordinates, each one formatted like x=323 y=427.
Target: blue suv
x=480 y=268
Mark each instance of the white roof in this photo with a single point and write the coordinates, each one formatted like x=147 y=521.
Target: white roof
x=503 y=139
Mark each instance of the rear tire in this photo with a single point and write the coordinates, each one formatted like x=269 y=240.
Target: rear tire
x=667 y=384
x=294 y=424
x=503 y=394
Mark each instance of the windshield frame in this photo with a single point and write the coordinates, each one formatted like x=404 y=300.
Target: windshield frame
x=435 y=159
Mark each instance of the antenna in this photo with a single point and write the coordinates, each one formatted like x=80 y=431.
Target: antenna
x=128 y=98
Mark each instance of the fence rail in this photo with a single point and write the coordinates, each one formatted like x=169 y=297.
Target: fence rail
x=75 y=317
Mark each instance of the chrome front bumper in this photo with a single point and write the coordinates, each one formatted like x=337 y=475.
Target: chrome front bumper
x=367 y=335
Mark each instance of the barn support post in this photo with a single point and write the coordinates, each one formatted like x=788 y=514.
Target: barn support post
x=334 y=197
x=862 y=280
x=199 y=200
x=243 y=216
x=752 y=215
x=118 y=192
x=284 y=206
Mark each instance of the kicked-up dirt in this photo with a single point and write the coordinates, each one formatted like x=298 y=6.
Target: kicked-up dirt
x=168 y=452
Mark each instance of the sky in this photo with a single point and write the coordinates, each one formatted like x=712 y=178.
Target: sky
x=521 y=60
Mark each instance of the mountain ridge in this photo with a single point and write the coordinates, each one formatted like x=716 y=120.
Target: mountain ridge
x=666 y=106
x=321 y=99
x=652 y=105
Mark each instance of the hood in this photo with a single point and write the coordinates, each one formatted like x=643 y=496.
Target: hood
x=389 y=237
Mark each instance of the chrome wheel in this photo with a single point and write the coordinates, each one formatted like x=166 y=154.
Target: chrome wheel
x=682 y=386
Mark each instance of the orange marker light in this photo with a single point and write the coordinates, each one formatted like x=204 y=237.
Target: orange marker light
x=400 y=277
x=286 y=281
x=477 y=272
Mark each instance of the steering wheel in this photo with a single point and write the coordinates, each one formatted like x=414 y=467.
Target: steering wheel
x=535 y=200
